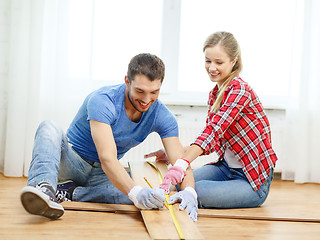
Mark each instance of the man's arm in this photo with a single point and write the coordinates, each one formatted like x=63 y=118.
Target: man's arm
x=144 y=198
x=103 y=138
x=174 y=151
x=173 y=148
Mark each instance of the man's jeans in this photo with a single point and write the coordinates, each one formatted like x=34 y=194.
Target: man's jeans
x=53 y=160
x=219 y=186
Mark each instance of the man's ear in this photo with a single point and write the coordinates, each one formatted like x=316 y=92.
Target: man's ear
x=126 y=80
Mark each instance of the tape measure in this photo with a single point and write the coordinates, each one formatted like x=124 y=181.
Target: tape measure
x=173 y=215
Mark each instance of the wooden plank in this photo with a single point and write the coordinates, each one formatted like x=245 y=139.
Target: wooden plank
x=267 y=212
x=274 y=213
x=287 y=201
x=242 y=229
x=159 y=223
x=281 y=205
x=139 y=170
x=99 y=207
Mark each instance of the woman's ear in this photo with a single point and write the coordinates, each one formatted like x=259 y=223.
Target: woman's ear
x=234 y=61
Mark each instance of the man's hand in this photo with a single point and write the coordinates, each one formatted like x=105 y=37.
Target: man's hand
x=175 y=174
x=147 y=198
x=160 y=155
x=188 y=199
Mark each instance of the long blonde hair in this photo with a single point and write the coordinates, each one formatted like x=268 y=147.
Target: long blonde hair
x=232 y=48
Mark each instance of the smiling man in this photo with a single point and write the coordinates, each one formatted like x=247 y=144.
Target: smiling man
x=111 y=121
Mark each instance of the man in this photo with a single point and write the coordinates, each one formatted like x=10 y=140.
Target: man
x=111 y=121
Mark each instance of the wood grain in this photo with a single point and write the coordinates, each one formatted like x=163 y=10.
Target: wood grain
x=100 y=207
x=159 y=223
x=298 y=199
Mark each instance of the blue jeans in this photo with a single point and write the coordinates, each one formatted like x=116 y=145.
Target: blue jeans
x=53 y=160
x=219 y=186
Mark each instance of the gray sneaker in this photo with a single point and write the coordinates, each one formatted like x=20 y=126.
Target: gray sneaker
x=40 y=200
x=65 y=190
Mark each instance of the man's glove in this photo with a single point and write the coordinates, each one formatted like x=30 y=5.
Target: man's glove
x=175 y=174
x=147 y=198
x=188 y=199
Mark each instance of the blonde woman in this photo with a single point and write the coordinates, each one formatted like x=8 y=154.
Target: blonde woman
x=237 y=129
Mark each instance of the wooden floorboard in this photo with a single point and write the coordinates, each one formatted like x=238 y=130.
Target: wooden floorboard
x=287 y=201
x=302 y=201
x=160 y=223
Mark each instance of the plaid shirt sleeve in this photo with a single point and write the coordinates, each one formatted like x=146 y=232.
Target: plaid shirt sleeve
x=235 y=99
x=241 y=125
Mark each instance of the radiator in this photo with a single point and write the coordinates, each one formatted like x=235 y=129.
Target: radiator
x=187 y=135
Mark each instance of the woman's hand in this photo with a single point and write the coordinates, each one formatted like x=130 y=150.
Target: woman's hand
x=160 y=155
x=175 y=174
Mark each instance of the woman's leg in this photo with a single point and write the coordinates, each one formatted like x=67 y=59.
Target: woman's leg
x=214 y=172
x=233 y=193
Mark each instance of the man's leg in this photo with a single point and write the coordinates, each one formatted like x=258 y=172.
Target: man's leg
x=39 y=196
x=99 y=189
x=48 y=144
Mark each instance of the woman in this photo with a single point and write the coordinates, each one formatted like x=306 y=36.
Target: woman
x=237 y=129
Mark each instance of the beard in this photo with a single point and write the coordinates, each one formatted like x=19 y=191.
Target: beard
x=130 y=100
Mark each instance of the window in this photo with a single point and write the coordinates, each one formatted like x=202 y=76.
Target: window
x=264 y=30
x=104 y=35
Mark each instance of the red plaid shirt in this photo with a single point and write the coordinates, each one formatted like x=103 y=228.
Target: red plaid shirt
x=242 y=126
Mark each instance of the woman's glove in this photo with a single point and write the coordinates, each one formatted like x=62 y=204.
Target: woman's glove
x=147 y=198
x=188 y=199
x=175 y=174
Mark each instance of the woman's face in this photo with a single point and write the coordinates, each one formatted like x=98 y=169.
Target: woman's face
x=218 y=64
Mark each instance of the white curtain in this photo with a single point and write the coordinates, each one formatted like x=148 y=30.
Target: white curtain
x=31 y=78
x=301 y=162
x=40 y=85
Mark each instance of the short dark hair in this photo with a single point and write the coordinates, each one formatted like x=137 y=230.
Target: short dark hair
x=146 y=64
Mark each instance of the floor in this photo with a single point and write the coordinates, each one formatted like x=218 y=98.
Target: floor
x=291 y=212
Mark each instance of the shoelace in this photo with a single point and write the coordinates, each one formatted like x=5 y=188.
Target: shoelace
x=43 y=188
x=62 y=196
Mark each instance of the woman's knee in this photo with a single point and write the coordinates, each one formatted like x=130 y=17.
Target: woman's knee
x=204 y=196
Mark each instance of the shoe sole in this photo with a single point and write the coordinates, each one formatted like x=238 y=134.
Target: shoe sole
x=38 y=203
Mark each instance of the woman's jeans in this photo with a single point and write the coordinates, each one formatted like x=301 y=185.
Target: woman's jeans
x=53 y=160
x=219 y=186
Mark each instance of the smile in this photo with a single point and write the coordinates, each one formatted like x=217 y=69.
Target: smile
x=213 y=75
x=143 y=105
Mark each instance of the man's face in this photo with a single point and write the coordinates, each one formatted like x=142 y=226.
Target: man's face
x=142 y=92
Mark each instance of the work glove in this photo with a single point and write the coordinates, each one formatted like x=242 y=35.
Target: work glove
x=147 y=198
x=188 y=199
x=160 y=155
x=175 y=174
